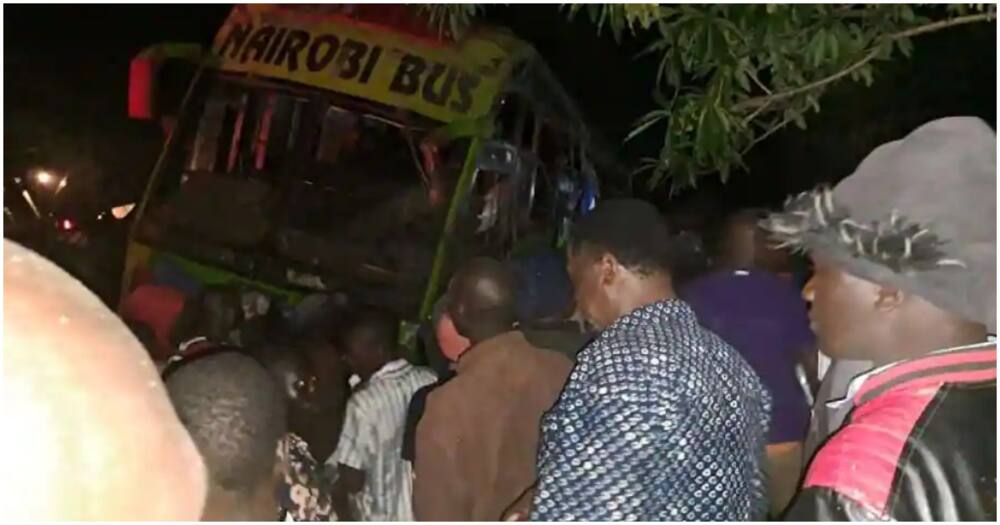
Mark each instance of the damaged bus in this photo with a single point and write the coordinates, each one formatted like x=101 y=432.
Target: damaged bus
x=351 y=151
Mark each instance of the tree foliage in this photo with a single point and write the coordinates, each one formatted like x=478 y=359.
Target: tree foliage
x=731 y=75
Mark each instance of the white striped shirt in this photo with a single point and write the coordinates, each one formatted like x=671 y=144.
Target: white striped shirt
x=372 y=440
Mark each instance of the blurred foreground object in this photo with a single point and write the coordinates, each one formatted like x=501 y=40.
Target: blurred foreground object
x=97 y=438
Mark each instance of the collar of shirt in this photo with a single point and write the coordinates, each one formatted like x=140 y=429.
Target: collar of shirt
x=656 y=312
x=860 y=388
x=186 y=345
x=389 y=368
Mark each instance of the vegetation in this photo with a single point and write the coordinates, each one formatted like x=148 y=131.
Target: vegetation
x=732 y=75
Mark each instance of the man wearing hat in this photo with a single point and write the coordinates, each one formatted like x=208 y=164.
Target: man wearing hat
x=905 y=257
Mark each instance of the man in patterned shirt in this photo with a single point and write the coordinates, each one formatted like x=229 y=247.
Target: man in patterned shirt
x=660 y=420
x=374 y=482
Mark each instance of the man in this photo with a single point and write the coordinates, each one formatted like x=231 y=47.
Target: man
x=374 y=483
x=765 y=319
x=303 y=489
x=89 y=431
x=235 y=413
x=477 y=441
x=661 y=419
x=905 y=276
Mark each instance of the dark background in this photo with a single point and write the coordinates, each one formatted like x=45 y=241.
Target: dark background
x=66 y=72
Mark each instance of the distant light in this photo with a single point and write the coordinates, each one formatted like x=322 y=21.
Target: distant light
x=62 y=184
x=67 y=224
x=31 y=202
x=120 y=212
x=44 y=177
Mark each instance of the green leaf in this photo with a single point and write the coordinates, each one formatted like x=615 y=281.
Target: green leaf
x=906 y=13
x=833 y=44
x=724 y=172
x=884 y=51
x=817 y=48
x=905 y=46
x=742 y=78
x=865 y=72
x=647 y=121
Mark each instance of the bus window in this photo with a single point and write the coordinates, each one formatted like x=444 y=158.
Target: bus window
x=339 y=133
x=515 y=121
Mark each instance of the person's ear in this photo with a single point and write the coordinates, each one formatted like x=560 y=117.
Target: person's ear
x=608 y=269
x=888 y=299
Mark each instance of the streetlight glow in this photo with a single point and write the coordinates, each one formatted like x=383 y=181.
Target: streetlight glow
x=44 y=177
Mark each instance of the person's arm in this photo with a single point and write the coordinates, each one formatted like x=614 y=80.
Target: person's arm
x=439 y=493
x=784 y=469
x=521 y=508
x=352 y=457
x=350 y=481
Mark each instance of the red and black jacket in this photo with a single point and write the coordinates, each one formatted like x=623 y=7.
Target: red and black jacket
x=919 y=445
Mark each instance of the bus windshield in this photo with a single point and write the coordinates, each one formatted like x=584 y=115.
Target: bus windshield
x=266 y=172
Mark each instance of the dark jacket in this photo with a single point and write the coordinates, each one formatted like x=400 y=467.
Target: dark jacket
x=478 y=439
x=919 y=444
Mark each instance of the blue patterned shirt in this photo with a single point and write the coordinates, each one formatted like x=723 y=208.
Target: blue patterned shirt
x=660 y=421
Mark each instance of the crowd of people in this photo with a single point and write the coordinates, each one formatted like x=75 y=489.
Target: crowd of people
x=584 y=386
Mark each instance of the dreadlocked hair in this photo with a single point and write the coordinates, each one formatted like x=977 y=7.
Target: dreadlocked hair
x=814 y=217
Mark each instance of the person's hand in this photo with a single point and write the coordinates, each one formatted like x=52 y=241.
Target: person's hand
x=521 y=508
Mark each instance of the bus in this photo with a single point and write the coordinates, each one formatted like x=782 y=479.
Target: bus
x=354 y=150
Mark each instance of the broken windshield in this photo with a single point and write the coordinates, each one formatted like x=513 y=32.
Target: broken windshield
x=297 y=176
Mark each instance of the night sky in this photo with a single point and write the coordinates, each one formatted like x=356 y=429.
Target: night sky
x=66 y=69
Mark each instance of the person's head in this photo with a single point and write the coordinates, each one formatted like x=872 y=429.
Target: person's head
x=618 y=260
x=367 y=339
x=904 y=262
x=481 y=299
x=320 y=420
x=90 y=433
x=293 y=371
x=855 y=318
x=744 y=244
x=689 y=260
x=235 y=412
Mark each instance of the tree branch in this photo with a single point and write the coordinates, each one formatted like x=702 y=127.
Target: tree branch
x=753 y=76
x=766 y=134
x=757 y=102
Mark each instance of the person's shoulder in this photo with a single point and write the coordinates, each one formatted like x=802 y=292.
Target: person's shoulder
x=423 y=373
x=862 y=458
x=548 y=362
x=362 y=398
x=444 y=408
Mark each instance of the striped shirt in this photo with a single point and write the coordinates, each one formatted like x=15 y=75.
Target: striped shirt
x=373 y=437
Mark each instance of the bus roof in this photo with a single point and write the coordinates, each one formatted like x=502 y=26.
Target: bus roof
x=376 y=58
